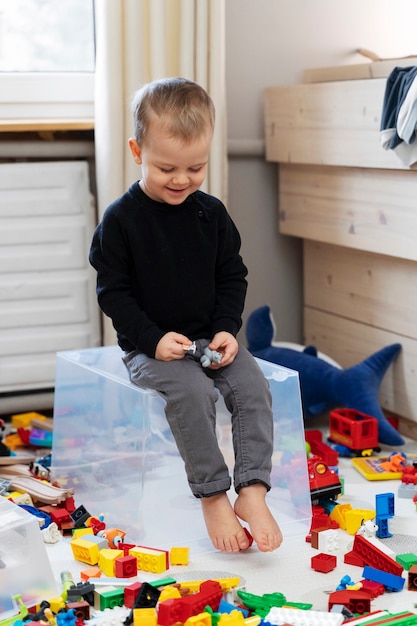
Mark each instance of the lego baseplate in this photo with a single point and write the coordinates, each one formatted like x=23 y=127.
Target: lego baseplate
x=370 y=467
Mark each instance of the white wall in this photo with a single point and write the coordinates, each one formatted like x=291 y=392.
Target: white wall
x=271 y=42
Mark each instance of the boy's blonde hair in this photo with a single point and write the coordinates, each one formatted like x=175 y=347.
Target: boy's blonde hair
x=182 y=107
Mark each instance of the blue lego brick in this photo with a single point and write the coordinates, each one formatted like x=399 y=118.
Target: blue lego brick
x=382 y=531
x=391 y=582
x=384 y=505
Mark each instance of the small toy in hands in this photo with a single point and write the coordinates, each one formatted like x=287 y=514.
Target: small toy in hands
x=209 y=357
x=191 y=349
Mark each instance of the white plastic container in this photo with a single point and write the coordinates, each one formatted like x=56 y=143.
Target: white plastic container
x=24 y=565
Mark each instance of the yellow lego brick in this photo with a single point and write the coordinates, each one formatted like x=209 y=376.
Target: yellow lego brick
x=13 y=441
x=23 y=420
x=355 y=517
x=150 y=559
x=144 y=617
x=20 y=498
x=338 y=514
x=79 y=532
x=107 y=559
x=225 y=583
x=56 y=604
x=84 y=551
x=234 y=618
x=202 y=619
x=168 y=593
x=179 y=556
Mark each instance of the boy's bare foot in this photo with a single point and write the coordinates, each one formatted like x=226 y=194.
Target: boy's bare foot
x=250 y=506
x=224 y=529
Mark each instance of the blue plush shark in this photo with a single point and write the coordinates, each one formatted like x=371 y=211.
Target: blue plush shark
x=324 y=386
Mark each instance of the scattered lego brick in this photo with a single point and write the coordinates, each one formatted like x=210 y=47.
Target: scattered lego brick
x=355 y=517
x=355 y=600
x=390 y=581
x=296 y=617
x=406 y=560
x=150 y=559
x=323 y=562
x=125 y=567
x=412 y=578
x=179 y=556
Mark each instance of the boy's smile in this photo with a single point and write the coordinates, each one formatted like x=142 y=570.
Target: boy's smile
x=172 y=169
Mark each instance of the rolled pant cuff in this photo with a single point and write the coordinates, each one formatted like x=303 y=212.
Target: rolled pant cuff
x=206 y=490
x=253 y=478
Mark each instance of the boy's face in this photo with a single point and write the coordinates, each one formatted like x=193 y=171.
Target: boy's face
x=171 y=169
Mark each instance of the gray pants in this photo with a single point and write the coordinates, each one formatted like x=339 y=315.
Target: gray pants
x=190 y=394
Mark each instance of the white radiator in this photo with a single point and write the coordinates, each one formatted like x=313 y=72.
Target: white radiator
x=47 y=288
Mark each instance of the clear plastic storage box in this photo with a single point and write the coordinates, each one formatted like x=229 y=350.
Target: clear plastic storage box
x=113 y=445
x=25 y=569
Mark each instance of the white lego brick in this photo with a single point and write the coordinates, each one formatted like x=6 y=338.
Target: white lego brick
x=298 y=617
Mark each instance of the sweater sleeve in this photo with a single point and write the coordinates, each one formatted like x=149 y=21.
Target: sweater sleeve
x=110 y=258
x=231 y=283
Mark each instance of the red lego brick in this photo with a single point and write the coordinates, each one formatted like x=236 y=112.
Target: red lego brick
x=373 y=588
x=356 y=600
x=125 y=547
x=125 y=567
x=180 y=609
x=58 y=514
x=323 y=562
x=374 y=557
x=351 y=558
x=320 y=448
x=130 y=594
x=70 y=504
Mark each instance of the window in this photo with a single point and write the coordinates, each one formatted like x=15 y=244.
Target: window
x=46 y=58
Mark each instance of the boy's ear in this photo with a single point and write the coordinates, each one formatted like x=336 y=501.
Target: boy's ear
x=136 y=151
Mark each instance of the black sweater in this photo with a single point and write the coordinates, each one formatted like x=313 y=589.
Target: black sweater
x=164 y=268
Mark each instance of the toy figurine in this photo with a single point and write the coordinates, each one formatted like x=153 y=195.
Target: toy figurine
x=210 y=356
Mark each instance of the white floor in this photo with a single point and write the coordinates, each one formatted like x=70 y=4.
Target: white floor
x=288 y=570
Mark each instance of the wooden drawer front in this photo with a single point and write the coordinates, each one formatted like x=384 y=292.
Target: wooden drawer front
x=373 y=210
x=369 y=288
x=349 y=342
x=327 y=124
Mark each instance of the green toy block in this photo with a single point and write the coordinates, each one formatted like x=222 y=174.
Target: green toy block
x=406 y=560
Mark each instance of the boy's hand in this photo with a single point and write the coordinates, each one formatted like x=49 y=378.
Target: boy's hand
x=227 y=345
x=172 y=346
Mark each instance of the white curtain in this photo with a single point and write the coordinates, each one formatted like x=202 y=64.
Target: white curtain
x=141 y=40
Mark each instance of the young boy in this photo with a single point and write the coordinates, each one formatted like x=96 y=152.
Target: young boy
x=171 y=278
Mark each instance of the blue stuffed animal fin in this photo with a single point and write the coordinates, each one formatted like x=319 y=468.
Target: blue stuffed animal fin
x=260 y=329
x=359 y=386
x=311 y=350
x=317 y=409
